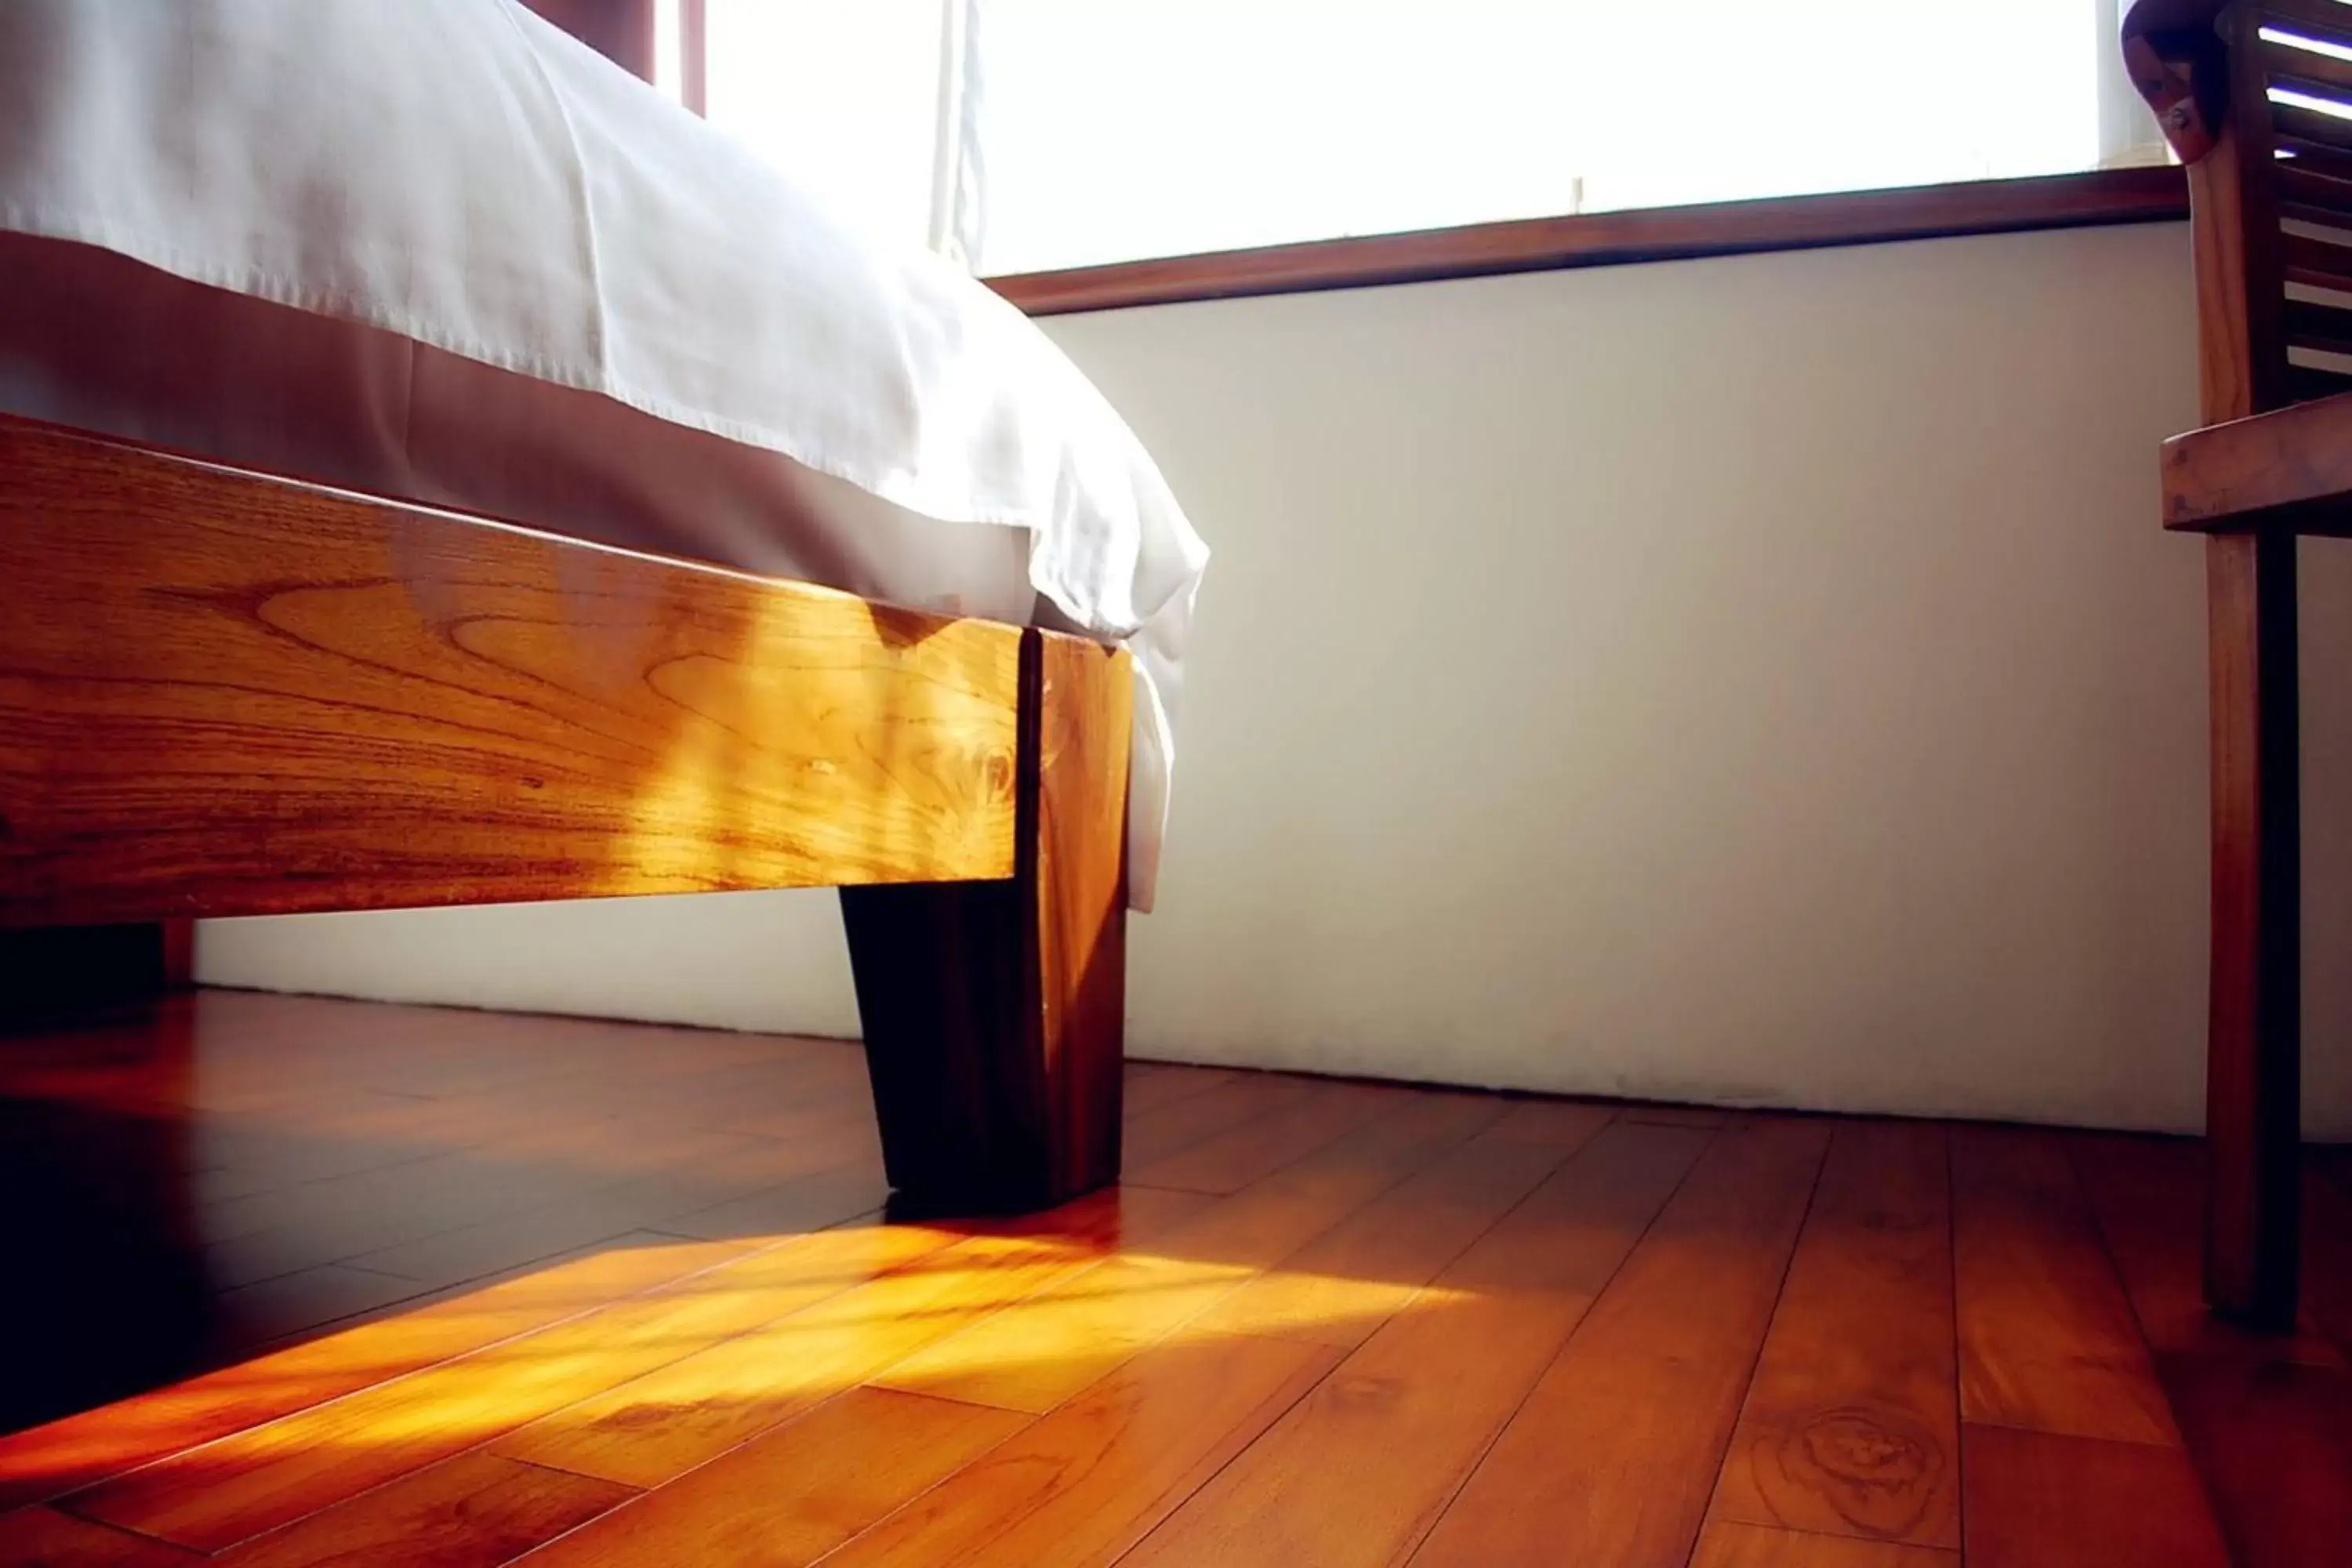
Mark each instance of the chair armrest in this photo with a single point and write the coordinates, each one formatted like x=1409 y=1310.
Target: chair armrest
x=2289 y=468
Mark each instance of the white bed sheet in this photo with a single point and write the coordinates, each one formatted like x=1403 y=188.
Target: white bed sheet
x=438 y=249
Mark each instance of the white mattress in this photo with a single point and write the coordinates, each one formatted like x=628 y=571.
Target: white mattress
x=438 y=248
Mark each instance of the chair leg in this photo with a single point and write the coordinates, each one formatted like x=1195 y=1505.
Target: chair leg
x=993 y=1011
x=2253 y=1086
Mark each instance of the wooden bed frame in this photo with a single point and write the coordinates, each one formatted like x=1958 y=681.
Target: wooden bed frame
x=227 y=693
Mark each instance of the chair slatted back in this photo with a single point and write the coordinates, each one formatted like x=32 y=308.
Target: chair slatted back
x=2257 y=97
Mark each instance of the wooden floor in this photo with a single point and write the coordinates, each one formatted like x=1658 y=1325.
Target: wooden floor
x=296 y=1282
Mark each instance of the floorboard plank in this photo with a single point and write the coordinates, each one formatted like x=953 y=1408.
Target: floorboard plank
x=697 y=1172
x=1151 y=1086
x=1852 y=1424
x=1230 y=1161
x=803 y=1203
x=2148 y=1196
x=213 y=1496
x=2040 y=1500
x=472 y=1512
x=1565 y=1125
x=2327 y=1257
x=43 y=1538
x=1357 y=1470
x=1729 y=1545
x=1613 y=1456
x=1329 y=1290
x=792 y=1496
x=1154 y=1135
x=1664 y=1115
x=2274 y=1442
x=2048 y=1342
x=655 y=1242
x=655 y=1428
x=309 y=1298
x=81 y=1450
x=1035 y=1355
x=1083 y=1484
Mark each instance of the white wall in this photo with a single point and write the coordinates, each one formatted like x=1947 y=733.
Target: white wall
x=1749 y=680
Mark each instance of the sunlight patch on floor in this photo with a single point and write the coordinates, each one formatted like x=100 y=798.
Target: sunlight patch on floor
x=1019 y=1321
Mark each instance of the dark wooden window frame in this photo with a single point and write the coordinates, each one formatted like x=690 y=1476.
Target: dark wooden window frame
x=2157 y=195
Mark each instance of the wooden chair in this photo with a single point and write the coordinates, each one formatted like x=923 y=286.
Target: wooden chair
x=2256 y=97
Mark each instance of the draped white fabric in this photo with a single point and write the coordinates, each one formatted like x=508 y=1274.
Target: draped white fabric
x=438 y=249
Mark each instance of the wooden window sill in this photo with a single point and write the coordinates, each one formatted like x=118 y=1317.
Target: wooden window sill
x=1603 y=239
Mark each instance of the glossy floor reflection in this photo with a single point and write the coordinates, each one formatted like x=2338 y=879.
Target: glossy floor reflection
x=236 y=1169
x=333 y=1282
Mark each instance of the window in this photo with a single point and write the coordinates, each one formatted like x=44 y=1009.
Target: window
x=846 y=94
x=1035 y=134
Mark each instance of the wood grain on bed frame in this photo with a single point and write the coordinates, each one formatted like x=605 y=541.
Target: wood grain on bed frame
x=222 y=693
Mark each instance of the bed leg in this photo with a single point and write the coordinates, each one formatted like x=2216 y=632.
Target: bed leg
x=48 y=974
x=994 y=1011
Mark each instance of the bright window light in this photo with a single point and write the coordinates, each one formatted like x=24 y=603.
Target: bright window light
x=1032 y=134
x=843 y=94
x=1117 y=129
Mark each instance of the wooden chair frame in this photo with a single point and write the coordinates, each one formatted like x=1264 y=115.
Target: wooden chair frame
x=2264 y=123
x=227 y=693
